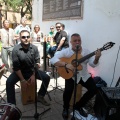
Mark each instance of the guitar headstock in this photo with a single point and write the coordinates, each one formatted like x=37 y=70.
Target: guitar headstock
x=108 y=45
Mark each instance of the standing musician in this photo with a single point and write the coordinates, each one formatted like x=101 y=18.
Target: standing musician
x=83 y=77
x=24 y=57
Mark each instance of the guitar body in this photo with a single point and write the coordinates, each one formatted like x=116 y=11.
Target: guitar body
x=67 y=73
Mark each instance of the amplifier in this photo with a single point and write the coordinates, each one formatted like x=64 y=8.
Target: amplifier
x=107 y=103
x=111 y=93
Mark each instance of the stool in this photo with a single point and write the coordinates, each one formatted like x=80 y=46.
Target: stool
x=28 y=96
x=78 y=95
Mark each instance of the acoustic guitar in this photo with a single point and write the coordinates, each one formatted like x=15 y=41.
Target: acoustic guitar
x=67 y=73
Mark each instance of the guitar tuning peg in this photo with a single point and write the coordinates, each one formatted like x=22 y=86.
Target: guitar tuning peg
x=112 y=43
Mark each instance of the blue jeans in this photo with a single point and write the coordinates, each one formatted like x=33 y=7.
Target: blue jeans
x=47 y=48
x=13 y=79
x=52 y=50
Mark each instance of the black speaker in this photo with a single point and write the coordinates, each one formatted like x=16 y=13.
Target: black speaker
x=100 y=108
x=103 y=107
x=115 y=116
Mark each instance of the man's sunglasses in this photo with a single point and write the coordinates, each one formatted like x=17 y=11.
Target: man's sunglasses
x=58 y=26
x=24 y=37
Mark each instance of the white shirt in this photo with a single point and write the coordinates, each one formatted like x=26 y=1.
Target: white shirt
x=34 y=36
x=67 y=53
x=20 y=27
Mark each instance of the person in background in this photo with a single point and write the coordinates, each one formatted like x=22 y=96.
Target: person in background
x=8 y=42
x=50 y=42
x=83 y=76
x=21 y=27
x=25 y=57
x=52 y=32
x=37 y=36
x=63 y=28
x=60 y=39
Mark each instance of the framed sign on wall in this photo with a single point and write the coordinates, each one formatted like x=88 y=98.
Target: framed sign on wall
x=62 y=9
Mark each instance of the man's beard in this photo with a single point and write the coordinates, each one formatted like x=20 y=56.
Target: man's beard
x=26 y=45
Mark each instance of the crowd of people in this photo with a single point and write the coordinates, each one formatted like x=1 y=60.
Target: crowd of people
x=22 y=46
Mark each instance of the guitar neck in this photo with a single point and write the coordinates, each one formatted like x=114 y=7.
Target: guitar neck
x=88 y=56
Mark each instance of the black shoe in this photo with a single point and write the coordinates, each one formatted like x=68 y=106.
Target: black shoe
x=65 y=113
x=42 y=100
x=82 y=112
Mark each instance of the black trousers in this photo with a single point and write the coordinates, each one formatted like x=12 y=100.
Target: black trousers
x=69 y=86
x=13 y=79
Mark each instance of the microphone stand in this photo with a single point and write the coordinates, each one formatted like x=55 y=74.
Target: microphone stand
x=75 y=81
x=36 y=115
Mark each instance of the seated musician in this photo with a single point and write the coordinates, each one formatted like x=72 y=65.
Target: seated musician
x=24 y=56
x=83 y=77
